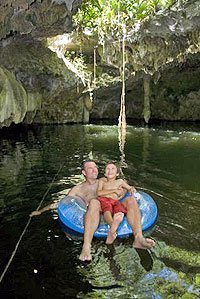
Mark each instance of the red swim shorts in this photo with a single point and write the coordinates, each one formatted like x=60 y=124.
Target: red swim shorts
x=111 y=205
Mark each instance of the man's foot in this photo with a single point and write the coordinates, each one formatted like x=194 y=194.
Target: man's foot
x=143 y=243
x=117 y=219
x=85 y=254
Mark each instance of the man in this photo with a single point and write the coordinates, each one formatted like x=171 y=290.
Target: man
x=88 y=192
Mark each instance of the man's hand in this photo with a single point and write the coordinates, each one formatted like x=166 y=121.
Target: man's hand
x=35 y=213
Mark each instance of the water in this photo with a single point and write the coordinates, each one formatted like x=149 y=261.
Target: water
x=38 y=164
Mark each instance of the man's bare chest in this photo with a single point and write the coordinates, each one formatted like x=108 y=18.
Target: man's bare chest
x=89 y=192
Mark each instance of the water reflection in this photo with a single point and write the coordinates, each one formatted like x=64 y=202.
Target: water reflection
x=145 y=148
x=123 y=270
x=122 y=141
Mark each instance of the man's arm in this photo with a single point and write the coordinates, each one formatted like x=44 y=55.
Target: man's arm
x=77 y=191
x=74 y=191
x=52 y=206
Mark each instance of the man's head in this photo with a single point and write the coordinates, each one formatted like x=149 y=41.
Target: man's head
x=90 y=170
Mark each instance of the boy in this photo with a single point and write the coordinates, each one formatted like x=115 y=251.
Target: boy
x=110 y=190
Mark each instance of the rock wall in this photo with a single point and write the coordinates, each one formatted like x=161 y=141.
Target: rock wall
x=35 y=85
x=166 y=48
x=37 y=18
x=174 y=95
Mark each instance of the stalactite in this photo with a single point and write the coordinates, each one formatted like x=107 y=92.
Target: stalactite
x=147 y=92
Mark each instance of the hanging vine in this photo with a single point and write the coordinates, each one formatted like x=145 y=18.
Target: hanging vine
x=104 y=19
x=147 y=91
x=95 y=66
x=122 y=115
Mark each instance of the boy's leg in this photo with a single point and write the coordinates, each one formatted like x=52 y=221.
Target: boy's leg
x=134 y=219
x=117 y=219
x=91 y=223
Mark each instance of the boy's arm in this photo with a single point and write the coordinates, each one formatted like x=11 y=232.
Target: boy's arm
x=104 y=192
x=129 y=188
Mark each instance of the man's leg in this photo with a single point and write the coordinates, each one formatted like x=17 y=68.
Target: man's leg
x=134 y=219
x=91 y=223
x=108 y=218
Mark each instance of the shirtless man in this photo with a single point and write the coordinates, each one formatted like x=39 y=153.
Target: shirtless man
x=88 y=192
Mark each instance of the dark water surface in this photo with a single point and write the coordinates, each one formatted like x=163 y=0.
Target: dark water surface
x=40 y=163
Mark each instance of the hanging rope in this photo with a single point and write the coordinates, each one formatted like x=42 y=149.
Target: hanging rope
x=26 y=226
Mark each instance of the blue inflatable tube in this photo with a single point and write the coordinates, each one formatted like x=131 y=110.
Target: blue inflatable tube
x=71 y=214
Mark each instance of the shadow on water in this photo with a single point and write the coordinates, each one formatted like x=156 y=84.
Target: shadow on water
x=163 y=162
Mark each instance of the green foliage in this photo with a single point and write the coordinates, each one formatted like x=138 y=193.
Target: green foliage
x=79 y=66
x=109 y=15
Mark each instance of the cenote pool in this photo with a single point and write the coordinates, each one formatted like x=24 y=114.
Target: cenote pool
x=38 y=164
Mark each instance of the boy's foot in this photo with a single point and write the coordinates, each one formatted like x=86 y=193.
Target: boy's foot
x=143 y=243
x=111 y=237
x=85 y=254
